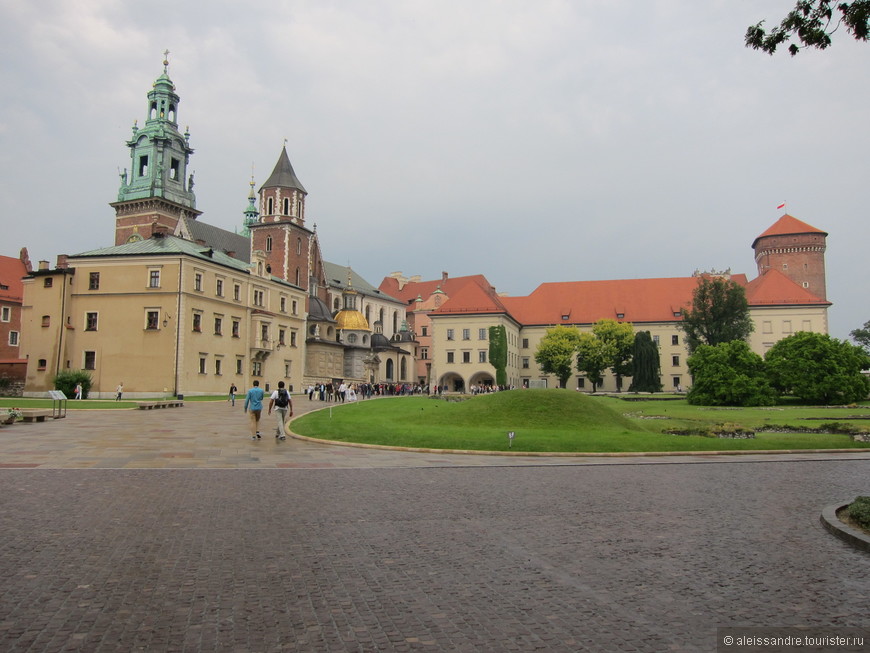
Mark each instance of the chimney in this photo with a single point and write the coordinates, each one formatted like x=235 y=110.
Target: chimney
x=61 y=262
x=24 y=257
x=43 y=265
x=443 y=277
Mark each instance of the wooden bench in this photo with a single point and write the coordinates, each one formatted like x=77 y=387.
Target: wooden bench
x=168 y=403
x=35 y=414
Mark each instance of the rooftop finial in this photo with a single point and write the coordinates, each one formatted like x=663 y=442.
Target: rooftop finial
x=165 y=60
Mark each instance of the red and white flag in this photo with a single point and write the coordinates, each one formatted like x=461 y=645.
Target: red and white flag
x=781 y=206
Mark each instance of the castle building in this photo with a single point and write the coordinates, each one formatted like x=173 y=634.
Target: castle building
x=12 y=365
x=179 y=306
x=453 y=316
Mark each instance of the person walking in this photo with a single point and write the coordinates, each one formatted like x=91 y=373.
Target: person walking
x=78 y=390
x=283 y=405
x=120 y=391
x=233 y=391
x=254 y=407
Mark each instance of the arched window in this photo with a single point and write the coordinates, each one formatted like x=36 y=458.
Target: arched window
x=389 y=369
x=298 y=246
x=152 y=112
x=268 y=243
x=171 y=113
x=395 y=322
x=269 y=206
x=403 y=369
x=297 y=276
x=286 y=206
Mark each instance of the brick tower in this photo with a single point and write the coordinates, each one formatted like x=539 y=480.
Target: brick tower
x=797 y=250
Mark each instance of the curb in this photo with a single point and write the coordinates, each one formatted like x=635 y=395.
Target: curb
x=834 y=525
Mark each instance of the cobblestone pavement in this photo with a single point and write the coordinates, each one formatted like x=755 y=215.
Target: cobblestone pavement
x=633 y=554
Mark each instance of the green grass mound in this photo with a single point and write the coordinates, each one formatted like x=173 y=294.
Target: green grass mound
x=550 y=421
x=542 y=420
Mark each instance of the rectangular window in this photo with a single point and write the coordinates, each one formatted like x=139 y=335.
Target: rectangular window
x=656 y=339
x=197 y=322
x=94 y=281
x=257 y=368
x=46 y=320
x=218 y=366
x=449 y=356
x=258 y=297
x=90 y=321
x=675 y=361
x=218 y=326
x=675 y=340
x=6 y=314
x=581 y=383
x=481 y=356
x=264 y=333
x=174 y=165
x=424 y=353
x=525 y=362
x=239 y=366
x=281 y=333
x=219 y=288
x=48 y=282
x=90 y=360
x=481 y=334
x=295 y=306
x=41 y=364
x=292 y=338
x=236 y=324
x=13 y=338
x=237 y=292
x=197 y=282
x=466 y=334
x=151 y=319
x=466 y=357
x=154 y=278
x=283 y=304
x=143 y=165
x=525 y=343
x=202 y=364
x=450 y=334
x=424 y=331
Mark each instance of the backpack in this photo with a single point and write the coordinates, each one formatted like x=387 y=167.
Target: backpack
x=283 y=399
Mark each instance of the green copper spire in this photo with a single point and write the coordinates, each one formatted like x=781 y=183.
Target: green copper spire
x=252 y=215
x=159 y=153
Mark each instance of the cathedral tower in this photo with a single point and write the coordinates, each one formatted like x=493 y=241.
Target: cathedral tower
x=157 y=189
x=797 y=250
x=280 y=231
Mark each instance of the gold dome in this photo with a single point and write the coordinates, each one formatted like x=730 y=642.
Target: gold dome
x=352 y=320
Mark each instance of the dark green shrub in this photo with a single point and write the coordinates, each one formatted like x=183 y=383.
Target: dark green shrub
x=859 y=510
x=66 y=382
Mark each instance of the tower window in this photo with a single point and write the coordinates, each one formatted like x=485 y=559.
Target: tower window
x=172 y=113
x=174 y=166
x=298 y=246
x=153 y=112
x=286 y=206
x=270 y=204
x=268 y=243
x=143 y=165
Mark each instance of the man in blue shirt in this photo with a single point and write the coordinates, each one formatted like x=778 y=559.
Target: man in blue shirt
x=254 y=406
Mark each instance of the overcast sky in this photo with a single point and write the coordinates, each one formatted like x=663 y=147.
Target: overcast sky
x=540 y=141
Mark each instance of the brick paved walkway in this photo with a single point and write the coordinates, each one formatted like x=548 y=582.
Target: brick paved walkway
x=525 y=554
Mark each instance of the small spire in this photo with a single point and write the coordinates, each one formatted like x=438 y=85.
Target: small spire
x=165 y=61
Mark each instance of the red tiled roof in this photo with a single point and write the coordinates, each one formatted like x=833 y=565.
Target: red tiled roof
x=11 y=272
x=788 y=225
x=472 y=298
x=774 y=288
x=424 y=289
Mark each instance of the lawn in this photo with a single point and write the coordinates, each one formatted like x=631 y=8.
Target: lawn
x=88 y=404
x=564 y=421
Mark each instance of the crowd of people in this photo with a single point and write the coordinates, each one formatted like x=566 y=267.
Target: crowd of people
x=344 y=392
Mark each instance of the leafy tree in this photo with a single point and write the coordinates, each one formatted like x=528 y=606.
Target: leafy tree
x=719 y=313
x=556 y=351
x=66 y=382
x=645 y=364
x=819 y=369
x=621 y=336
x=498 y=353
x=812 y=22
x=594 y=355
x=862 y=336
x=729 y=374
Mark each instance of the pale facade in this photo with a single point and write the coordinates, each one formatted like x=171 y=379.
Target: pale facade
x=162 y=316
